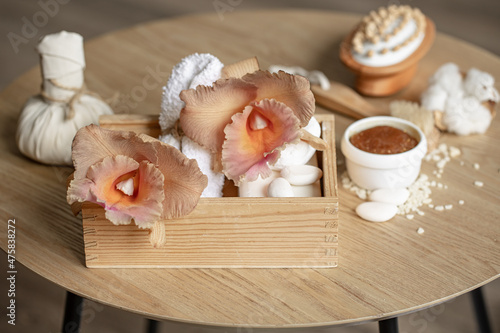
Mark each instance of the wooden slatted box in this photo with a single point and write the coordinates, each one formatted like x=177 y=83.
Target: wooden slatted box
x=225 y=232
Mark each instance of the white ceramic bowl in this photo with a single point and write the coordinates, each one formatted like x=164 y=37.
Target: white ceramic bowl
x=373 y=171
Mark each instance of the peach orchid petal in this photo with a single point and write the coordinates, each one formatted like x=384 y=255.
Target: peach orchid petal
x=93 y=143
x=183 y=185
x=255 y=137
x=209 y=109
x=118 y=218
x=79 y=191
x=151 y=181
x=292 y=90
x=144 y=205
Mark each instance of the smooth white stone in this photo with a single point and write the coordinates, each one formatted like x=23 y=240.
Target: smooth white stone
x=280 y=188
x=313 y=190
x=301 y=174
x=256 y=188
x=396 y=196
x=259 y=187
x=376 y=211
x=300 y=152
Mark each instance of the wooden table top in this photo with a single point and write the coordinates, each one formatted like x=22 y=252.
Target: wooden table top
x=384 y=269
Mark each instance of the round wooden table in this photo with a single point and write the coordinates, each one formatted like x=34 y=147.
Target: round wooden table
x=385 y=270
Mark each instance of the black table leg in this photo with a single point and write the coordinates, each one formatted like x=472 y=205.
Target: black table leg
x=388 y=325
x=72 y=313
x=152 y=326
x=480 y=310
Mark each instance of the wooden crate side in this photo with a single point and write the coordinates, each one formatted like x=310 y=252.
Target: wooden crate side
x=328 y=160
x=147 y=124
x=223 y=232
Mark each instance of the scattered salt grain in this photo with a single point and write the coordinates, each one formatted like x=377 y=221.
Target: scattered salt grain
x=421 y=213
x=461 y=202
x=410 y=216
x=478 y=183
x=441 y=164
x=448 y=207
x=439 y=208
x=454 y=151
x=420 y=231
x=476 y=166
x=430 y=206
x=462 y=163
x=419 y=192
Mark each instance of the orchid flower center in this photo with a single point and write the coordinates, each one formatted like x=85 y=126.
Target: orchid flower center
x=126 y=186
x=256 y=121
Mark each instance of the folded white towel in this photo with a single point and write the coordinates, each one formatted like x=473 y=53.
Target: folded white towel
x=215 y=180
x=193 y=70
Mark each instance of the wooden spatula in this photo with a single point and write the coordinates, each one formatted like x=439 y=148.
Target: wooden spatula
x=345 y=100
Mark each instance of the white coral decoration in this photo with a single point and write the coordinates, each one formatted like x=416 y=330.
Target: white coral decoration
x=460 y=98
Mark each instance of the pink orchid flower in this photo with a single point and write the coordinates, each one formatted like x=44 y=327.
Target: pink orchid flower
x=247 y=121
x=133 y=176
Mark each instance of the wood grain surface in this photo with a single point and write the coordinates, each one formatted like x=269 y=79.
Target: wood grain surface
x=385 y=269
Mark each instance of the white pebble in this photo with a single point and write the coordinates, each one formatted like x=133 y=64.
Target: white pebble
x=420 y=231
x=280 y=188
x=448 y=207
x=439 y=208
x=376 y=211
x=478 y=183
x=461 y=202
x=476 y=166
x=301 y=174
x=397 y=196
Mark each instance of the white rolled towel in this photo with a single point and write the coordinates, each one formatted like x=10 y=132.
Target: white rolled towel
x=193 y=70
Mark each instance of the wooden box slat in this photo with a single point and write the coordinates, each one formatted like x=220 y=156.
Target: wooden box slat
x=225 y=232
